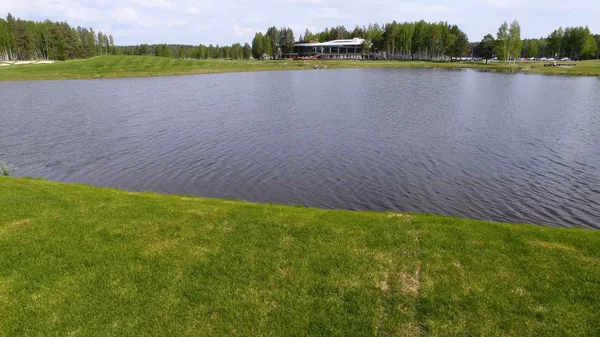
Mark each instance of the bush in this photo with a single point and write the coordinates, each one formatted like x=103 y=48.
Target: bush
x=5 y=170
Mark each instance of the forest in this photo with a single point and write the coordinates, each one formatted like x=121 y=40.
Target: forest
x=411 y=40
x=182 y=51
x=575 y=43
x=438 y=41
x=47 y=40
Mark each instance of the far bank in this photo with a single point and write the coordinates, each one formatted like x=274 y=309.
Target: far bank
x=144 y=66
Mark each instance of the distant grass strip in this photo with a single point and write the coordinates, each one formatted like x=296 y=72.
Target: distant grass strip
x=88 y=261
x=142 y=66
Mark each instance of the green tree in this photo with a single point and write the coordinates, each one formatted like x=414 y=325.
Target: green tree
x=287 y=41
x=449 y=42
x=514 y=37
x=4 y=44
x=100 y=40
x=162 y=50
x=374 y=33
x=589 y=47
x=267 y=46
x=503 y=42
x=555 y=43
x=390 y=32
x=531 y=48
x=273 y=34
x=358 y=32
x=111 y=42
x=308 y=36
x=461 y=43
x=366 y=47
x=247 y=51
x=486 y=47
x=405 y=34
x=257 y=46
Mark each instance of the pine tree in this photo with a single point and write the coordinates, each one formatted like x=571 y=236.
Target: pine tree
x=257 y=46
x=273 y=34
x=247 y=51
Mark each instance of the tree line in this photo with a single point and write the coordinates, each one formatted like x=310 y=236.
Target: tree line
x=576 y=43
x=182 y=51
x=437 y=41
x=27 y=40
x=410 y=40
x=274 y=43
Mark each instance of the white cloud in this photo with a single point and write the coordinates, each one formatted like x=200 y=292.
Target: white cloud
x=175 y=23
x=242 y=32
x=229 y=21
x=154 y=3
x=330 y=13
x=124 y=15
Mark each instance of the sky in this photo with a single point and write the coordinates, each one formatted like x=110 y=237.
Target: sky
x=230 y=21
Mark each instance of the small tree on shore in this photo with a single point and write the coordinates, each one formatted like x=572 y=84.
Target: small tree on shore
x=5 y=170
x=247 y=51
x=486 y=47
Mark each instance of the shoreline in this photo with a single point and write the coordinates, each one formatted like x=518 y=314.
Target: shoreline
x=298 y=206
x=151 y=66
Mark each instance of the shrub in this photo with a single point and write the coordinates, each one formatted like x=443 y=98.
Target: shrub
x=5 y=170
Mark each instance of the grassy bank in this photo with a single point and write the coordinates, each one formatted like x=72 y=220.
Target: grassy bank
x=87 y=261
x=140 y=66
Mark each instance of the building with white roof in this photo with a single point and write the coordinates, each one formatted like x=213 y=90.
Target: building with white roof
x=336 y=49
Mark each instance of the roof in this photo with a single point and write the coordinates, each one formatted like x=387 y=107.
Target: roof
x=347 y=42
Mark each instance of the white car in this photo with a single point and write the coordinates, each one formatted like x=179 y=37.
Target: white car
x=565 y=59
x=551 y=59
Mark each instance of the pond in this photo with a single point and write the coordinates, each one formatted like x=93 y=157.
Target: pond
x=504 y=147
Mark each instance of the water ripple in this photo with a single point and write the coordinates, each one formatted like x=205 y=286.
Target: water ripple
x=520 y=148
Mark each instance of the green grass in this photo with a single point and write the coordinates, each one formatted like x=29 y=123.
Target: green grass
x=140 y=66
x=87 y=261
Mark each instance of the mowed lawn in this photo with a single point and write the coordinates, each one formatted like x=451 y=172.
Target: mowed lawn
x=85 y=261
x=141 y=66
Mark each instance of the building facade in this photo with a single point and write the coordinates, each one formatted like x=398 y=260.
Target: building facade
x=336 y=49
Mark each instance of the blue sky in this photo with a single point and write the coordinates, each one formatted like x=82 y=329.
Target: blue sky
x=229 y=21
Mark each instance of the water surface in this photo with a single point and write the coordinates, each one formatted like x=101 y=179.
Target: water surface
x=517 y=148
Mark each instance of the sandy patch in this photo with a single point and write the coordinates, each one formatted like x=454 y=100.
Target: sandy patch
x=409 y=330
x=412 y=283
x=13 y=226
x=163 y=246
x=403 y=217
x=383 y=284
x=554 y=245
x=7 y=63
x=519 y=291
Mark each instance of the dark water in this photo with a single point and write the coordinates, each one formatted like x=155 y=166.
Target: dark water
x=517 y=148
